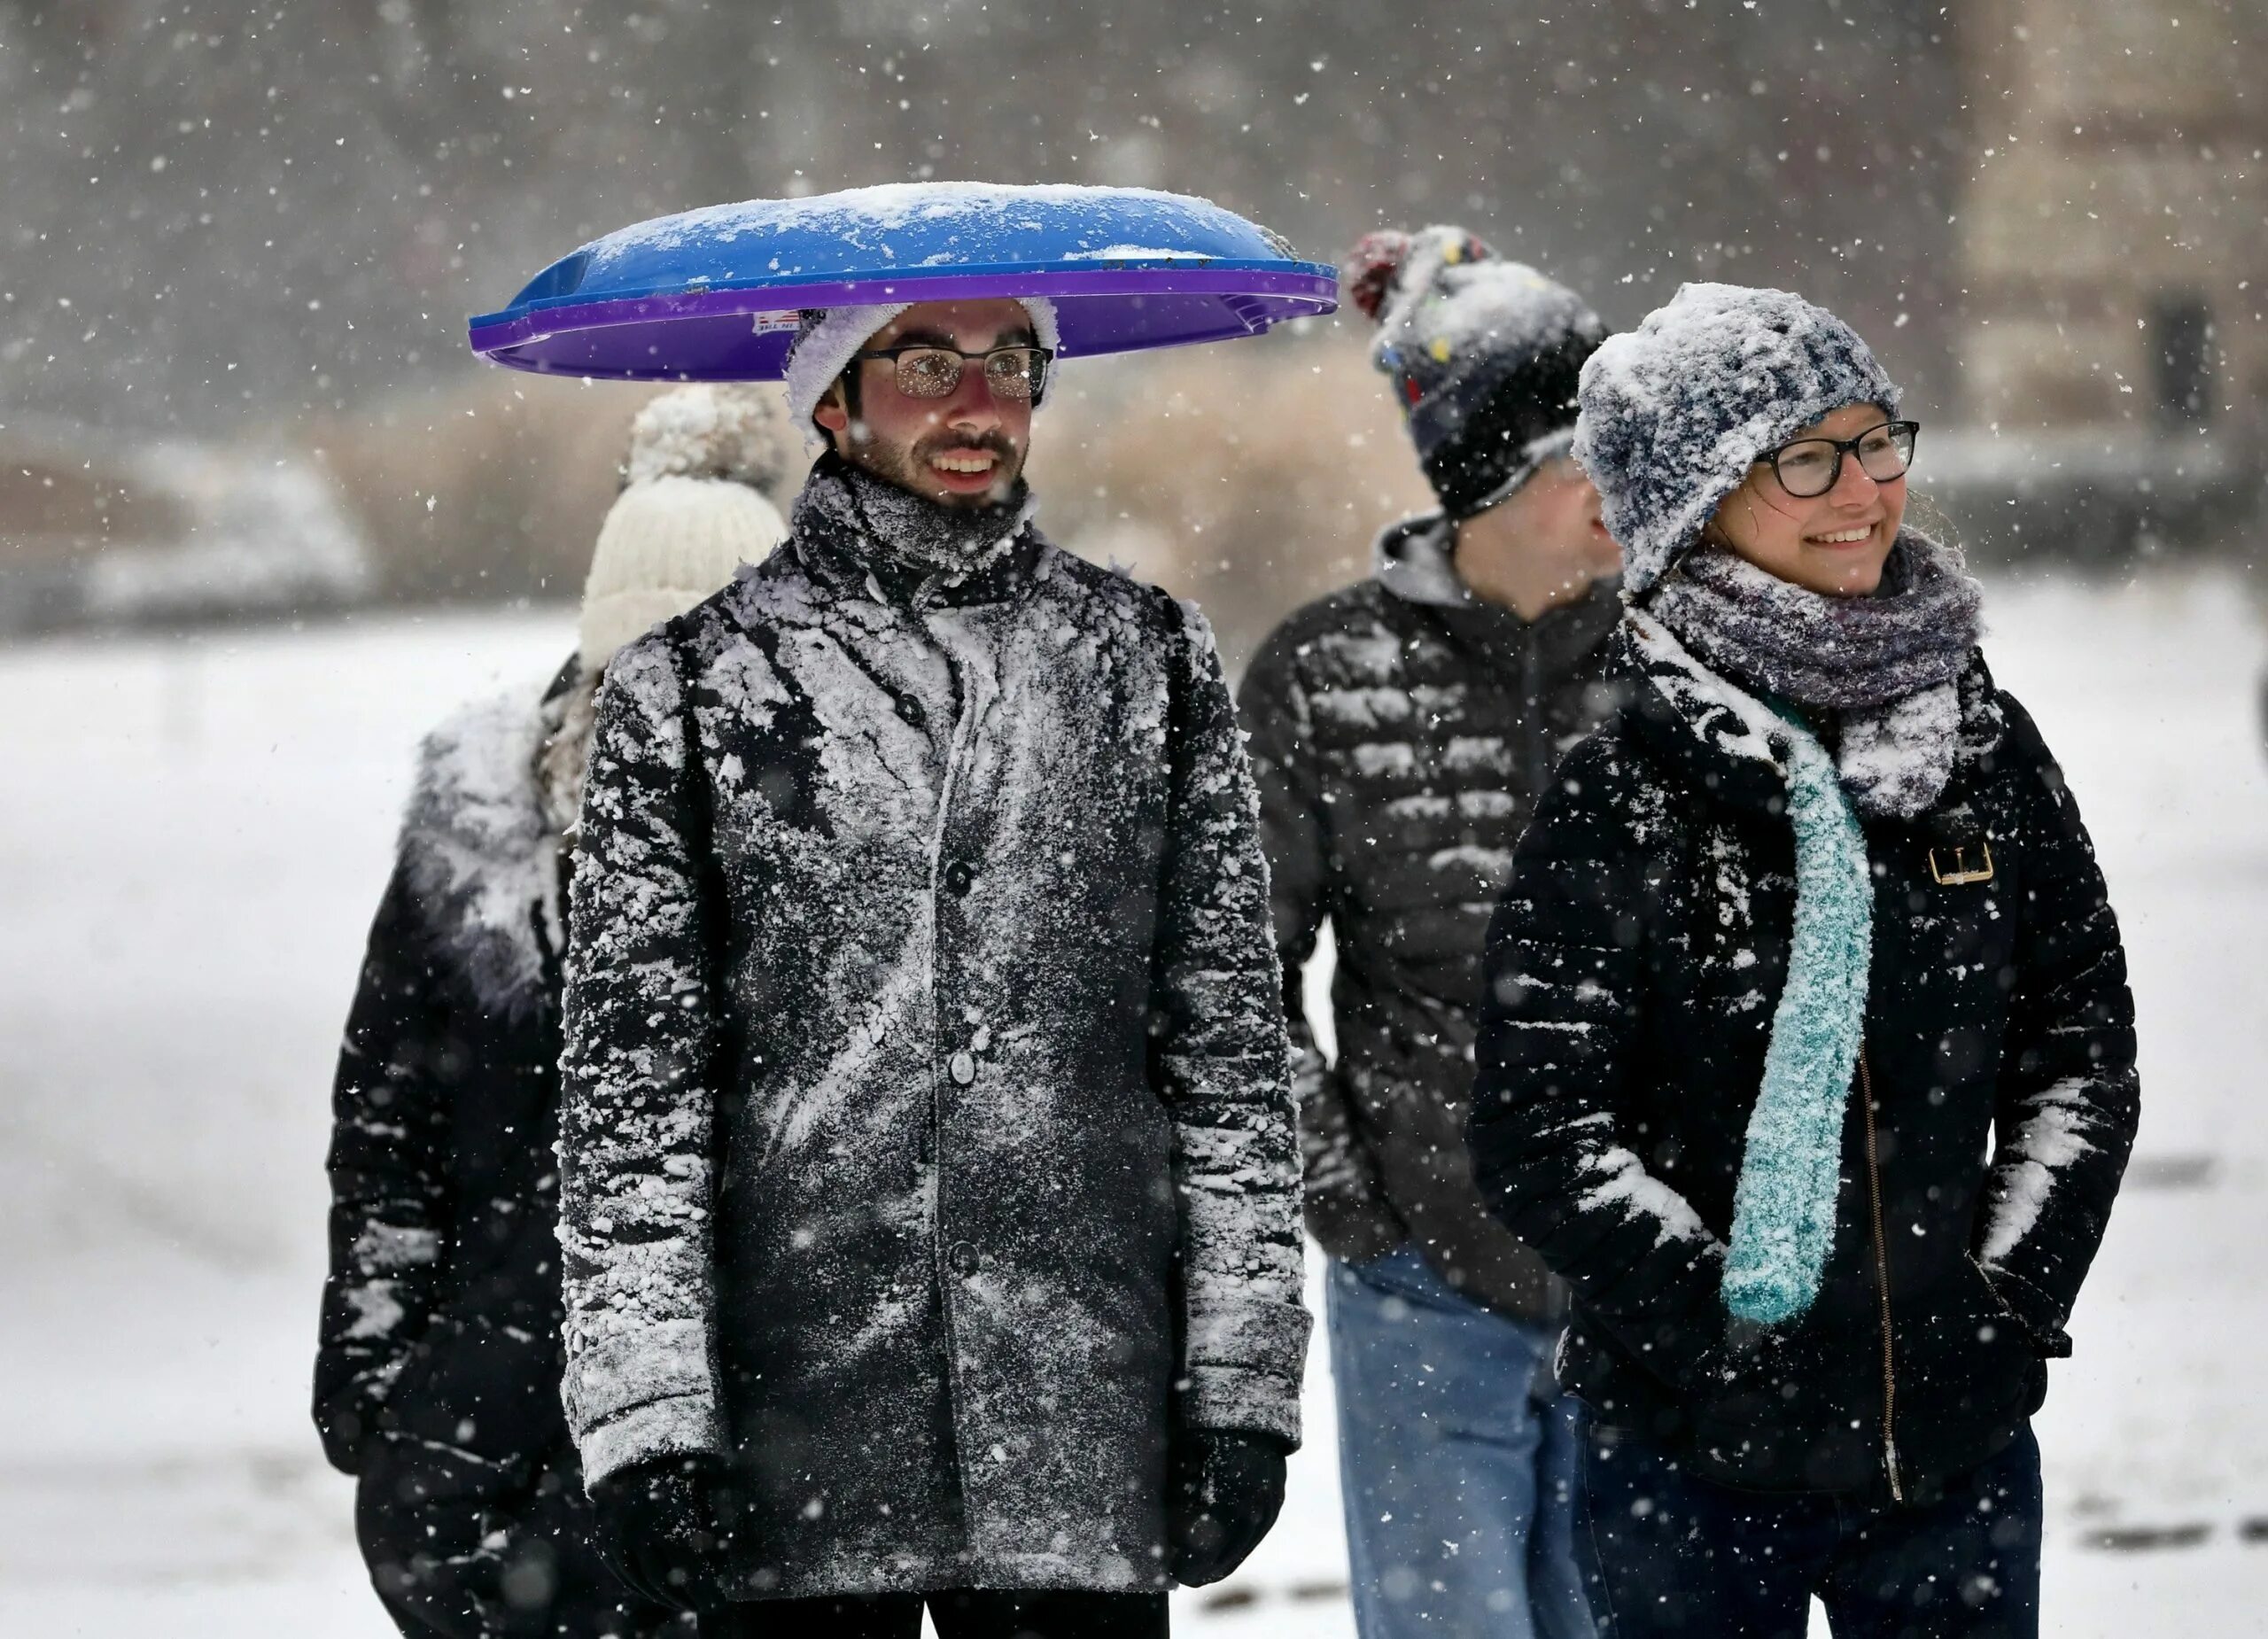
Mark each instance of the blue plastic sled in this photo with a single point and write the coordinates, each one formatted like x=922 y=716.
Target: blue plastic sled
x=713 y=294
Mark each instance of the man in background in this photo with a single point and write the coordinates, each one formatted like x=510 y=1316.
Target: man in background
x=1400 y=732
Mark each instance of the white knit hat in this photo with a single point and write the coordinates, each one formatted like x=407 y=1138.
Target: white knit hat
x=690 y=514
x=830 y=335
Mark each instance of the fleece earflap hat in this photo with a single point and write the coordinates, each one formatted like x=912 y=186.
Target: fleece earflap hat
x=829 y=336
x=691 y=512
x=1484 y=355
x=1675 y=411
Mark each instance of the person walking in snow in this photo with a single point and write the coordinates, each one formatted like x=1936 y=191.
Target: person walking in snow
x=1402 y=732
x=929 y=1164
x=437 y=1382
x=1808 y=1058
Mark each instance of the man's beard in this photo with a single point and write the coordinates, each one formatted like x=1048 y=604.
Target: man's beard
x=908 y=466
x=930 y=535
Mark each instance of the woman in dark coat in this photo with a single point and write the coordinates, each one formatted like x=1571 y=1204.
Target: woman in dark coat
x=437 y=1382
x=1808 y=1058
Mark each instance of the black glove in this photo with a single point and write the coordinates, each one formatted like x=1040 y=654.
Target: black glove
x=657 y=1526
x=1224 y=1488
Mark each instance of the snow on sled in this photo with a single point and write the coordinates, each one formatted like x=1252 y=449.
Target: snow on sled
x=713 y=294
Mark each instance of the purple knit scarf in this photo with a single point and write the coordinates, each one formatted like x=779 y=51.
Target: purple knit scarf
x=1887 y=664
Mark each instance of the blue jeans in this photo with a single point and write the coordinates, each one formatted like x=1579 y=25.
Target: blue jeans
x=1458 y=1484
x=1673 y=1555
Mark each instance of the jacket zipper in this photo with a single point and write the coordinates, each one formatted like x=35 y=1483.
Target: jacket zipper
x=1531 y=731
x=1881 y=1287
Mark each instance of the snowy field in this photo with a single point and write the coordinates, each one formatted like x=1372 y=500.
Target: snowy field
x=193 y=836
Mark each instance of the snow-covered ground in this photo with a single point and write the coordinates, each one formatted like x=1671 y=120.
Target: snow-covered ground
x=193 y=832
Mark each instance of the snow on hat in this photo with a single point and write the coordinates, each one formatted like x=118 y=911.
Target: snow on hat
x=1484 y=355
x=733 y=431
x=1675 y=411
x=828 y=336
x=690 y=514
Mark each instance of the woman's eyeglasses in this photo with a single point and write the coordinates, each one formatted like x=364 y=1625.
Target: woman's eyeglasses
x=1810 y=466
x=927 y=372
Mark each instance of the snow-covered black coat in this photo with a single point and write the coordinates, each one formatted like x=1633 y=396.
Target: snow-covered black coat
x=929 y=1154
x=1633 y=971
x=1400 y=733
x=437 y=1378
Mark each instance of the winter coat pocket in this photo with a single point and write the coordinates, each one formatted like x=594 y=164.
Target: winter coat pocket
x=1776 y=1418
x=487 y=1388
x=349 y=1420
x=1344 y=1202
x=1969 y=1376
x=2036 y=1377
x=430 y=1521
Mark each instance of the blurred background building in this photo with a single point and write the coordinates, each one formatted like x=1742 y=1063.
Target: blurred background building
x=2114 y=242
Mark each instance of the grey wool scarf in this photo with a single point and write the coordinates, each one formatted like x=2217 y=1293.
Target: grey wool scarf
x=1886 y=666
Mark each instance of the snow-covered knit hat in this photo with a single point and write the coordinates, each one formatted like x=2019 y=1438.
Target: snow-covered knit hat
x=735 y=430
x=690 y=513
x=1484 y=355
x=1675 y=411
x=828 y=336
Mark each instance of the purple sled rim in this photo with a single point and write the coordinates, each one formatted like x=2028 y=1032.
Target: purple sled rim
x=1269 y=295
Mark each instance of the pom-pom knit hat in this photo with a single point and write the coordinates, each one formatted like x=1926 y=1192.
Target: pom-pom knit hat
x=736 y=432
x=690 y=514
x=1675 y=411
x=1484 y=355
x=828 y=336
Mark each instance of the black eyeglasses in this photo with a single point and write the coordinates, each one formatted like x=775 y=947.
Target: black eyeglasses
x=928 y=371
x=1810 y=466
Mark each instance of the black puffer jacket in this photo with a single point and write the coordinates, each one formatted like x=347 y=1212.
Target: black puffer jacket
x=437 y=1380
x=1400 y=731
x=928 y=1147
x=1633 y=972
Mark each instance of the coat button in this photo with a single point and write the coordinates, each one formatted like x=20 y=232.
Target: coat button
x=910 y=708
x=964 y=1068
x=964 y=1258
x=958 y=877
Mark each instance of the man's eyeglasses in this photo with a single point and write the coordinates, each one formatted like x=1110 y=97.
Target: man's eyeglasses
x=1809 y=467
x=927 y=372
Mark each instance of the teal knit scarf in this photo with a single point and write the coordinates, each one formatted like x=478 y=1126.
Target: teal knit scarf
x=1784 y=1206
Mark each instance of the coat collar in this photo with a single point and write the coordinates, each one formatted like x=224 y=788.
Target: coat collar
x=1413 y=561
x=832 y=539
x=478 y=850
x=811 y=578
x=1726 y=741
x=844 y=570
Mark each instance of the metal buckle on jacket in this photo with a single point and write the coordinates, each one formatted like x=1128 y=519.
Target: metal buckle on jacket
x=1962 y=870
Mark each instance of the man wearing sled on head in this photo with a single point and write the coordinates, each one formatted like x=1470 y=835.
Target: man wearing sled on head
x=929 y=1166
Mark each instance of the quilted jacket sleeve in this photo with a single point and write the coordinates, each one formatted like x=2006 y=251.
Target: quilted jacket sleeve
x=1554 y=1151
x=391 y=1209
x=1346 y=1207
x=638 y=1099
x=1219 y=1060
x=2069 y=1100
